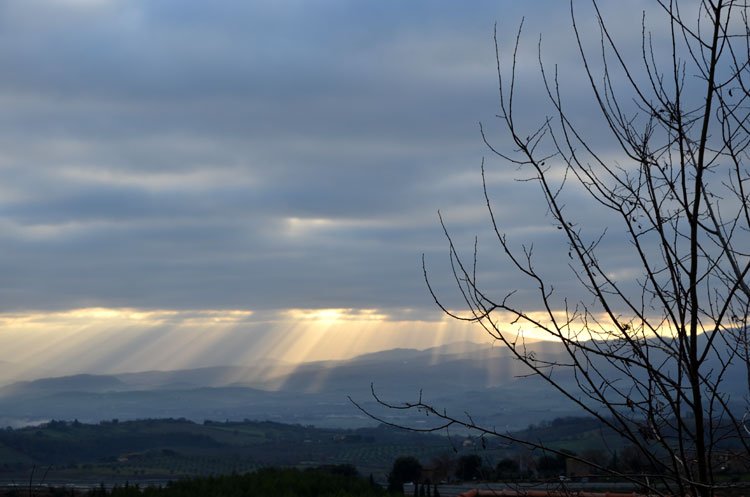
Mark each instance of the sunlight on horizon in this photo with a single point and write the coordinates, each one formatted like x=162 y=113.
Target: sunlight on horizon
x=266 y=345
x=127 y=339
x=105 y=340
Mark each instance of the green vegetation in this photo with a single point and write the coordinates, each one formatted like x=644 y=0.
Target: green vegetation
x=405 y=469
x=469 y=467
x=172 y=449
x=266 y=482
x=177 y=448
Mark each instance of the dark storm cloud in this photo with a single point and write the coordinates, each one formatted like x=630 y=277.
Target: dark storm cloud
x=224 y=154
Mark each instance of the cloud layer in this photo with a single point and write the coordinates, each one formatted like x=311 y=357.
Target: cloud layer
x=184 y=154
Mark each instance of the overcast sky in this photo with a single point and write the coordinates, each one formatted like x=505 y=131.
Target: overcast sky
x=189 y=158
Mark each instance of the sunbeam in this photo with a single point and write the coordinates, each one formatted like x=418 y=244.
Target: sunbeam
x=109 y=340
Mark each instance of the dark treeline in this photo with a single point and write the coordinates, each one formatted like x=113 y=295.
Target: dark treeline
x=337 y=481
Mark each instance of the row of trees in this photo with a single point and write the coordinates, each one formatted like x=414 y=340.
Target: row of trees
x=408 y=469
x=333 y=481
x=521 y=466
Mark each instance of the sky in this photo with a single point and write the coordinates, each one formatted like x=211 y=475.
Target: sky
x=188 y=183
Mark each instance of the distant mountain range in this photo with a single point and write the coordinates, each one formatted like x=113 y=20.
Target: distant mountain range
x=482 y=380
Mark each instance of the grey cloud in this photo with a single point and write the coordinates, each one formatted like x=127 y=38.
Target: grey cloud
x=152 y=154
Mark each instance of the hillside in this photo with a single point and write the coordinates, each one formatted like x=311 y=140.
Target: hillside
x=452 y=376
x=160 y=449
x=485 y=381
x=169 y=448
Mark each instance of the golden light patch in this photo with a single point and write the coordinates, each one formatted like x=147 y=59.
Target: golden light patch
x=217 y=317
x=75 y=318
x=296 y=226
x=96 y=313
x=338 y=334
x=109 y=340
x=329 y=316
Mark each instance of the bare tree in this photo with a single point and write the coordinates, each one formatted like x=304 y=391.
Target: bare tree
x=678 y=190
